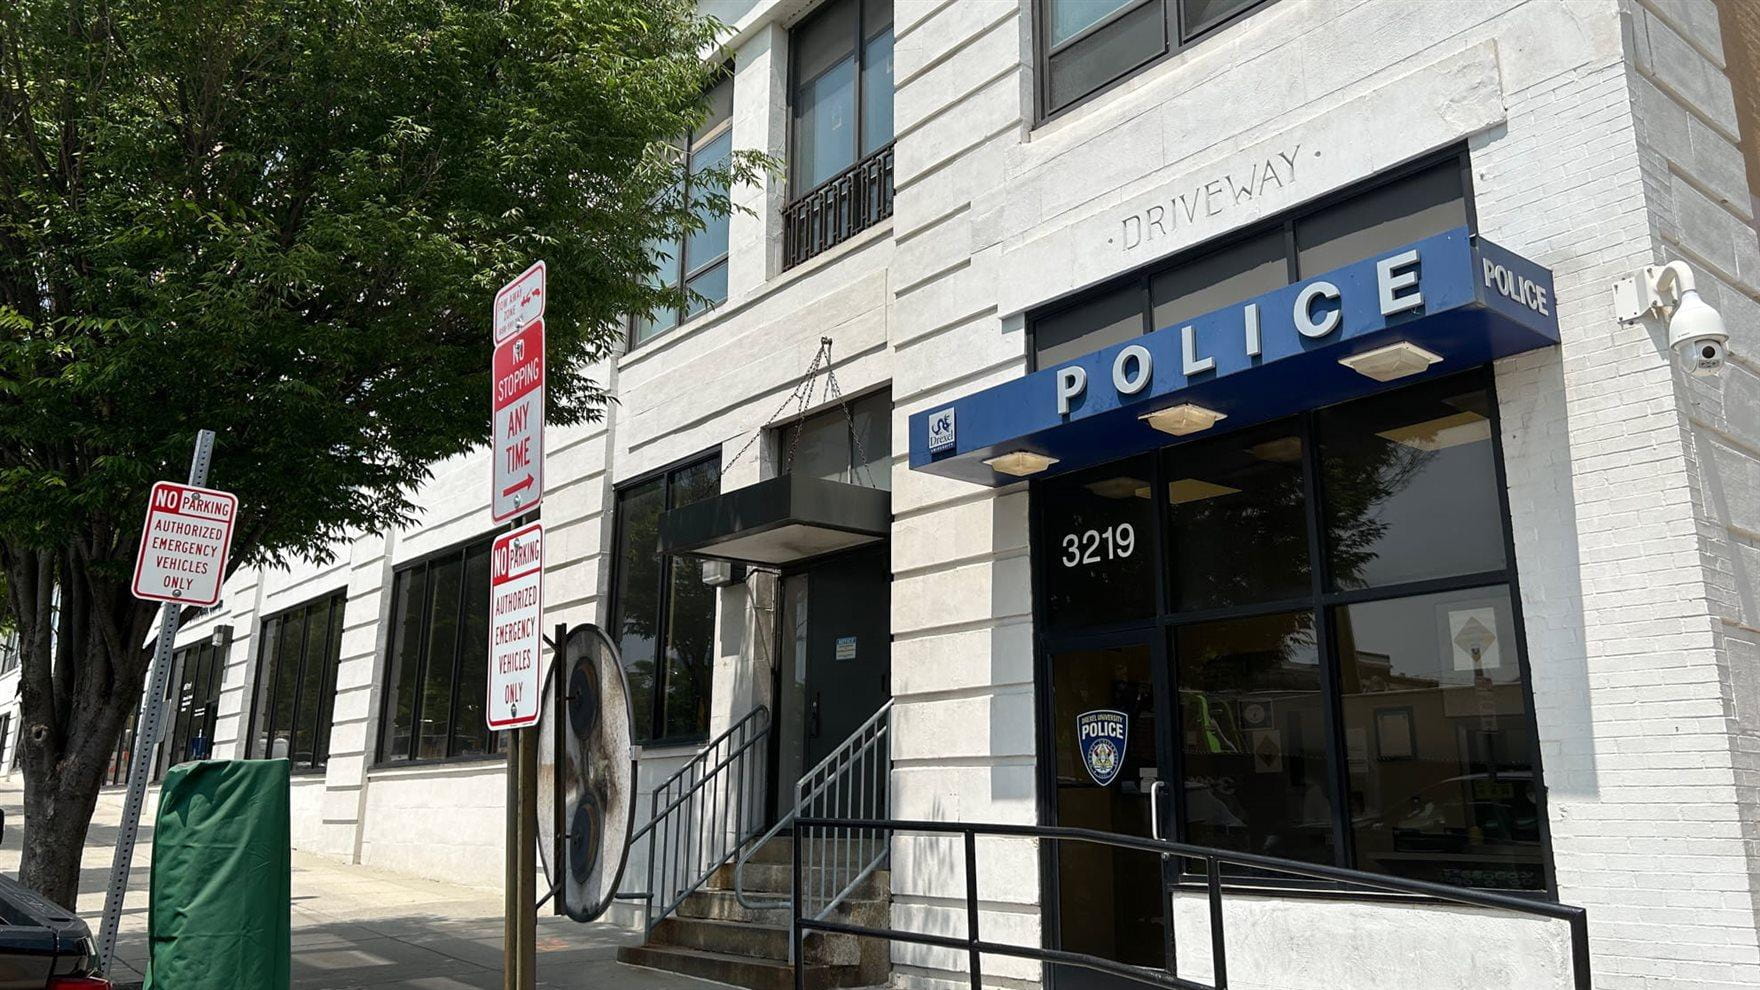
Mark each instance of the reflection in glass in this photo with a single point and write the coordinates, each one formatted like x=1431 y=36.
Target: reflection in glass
x=1113 y=318
x=1109 y=898
x=470 y=733
x=638 y=594
x=437 y=680
x=1219 y=279
x=1068 y=18
x=1436 y=733
x=1381 y=219
x=1253 y=736
x=1237 y=523
x=409 y=596
x=825 y=126
x=1099 y=555
x=1200 y=14
x=1410 y=486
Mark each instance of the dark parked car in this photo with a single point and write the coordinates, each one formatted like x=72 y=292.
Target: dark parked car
x=43 y=947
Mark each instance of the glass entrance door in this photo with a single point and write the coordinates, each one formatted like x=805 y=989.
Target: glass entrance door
x=1106 y=739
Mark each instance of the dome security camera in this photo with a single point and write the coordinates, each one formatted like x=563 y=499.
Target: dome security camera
x=1696 y=332
x=1697 y=335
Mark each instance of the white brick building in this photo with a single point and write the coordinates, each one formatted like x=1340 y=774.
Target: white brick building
x=1036 y=180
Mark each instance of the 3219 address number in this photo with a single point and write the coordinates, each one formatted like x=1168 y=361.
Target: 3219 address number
x=1098 y=545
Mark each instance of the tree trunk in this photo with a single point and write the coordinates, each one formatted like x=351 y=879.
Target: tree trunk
x=83 y=656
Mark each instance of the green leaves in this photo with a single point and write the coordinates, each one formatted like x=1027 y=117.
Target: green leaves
x=283 y=220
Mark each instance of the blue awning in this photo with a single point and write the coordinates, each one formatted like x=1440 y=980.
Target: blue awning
x=1457 y=296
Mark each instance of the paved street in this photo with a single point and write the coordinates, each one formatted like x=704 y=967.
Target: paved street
x=357 y=928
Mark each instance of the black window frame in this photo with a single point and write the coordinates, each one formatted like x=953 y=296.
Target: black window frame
x=654 y=736
x=684 y=314
x=498 y=740
x=1157 y=632
x=174 y=724
x=796 y=192
x=263 y=687
x=1176 y=37
x=1141 y=280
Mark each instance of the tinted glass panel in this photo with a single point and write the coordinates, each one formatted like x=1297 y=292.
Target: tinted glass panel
x=825 y=39
x=1099 y=558
x=708 y=288
x=1436 y=730
x=470 y=734
x=853 y=446
x=1200 y=14
x=1383 y=218
x=1252 y=734
x=825 y=125
x=1109 y=898
x=877 y=92
x=306 y=729
x=333 y=659
x=638 y=593
x=409 y=595
x=1068 y=18
x=1410 y=485
x=286 y=674
x=1220 y=279
x=1087 y=327
x=1110 y=52
x=437 y=681
x=1237 y=521
x=710 y=242
x=690 y=632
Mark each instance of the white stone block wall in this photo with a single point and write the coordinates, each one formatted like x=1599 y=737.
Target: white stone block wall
x=1602 y=138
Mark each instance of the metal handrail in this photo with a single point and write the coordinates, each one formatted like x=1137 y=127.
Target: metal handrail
x=703 y=814
x=975 y=946
x=830 y=774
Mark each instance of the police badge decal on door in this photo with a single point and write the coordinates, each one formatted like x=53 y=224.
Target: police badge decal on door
x=1102 y=735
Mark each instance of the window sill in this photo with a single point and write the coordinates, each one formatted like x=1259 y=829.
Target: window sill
x=444 y=767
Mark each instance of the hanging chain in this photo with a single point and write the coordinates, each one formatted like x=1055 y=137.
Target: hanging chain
x=802 y=398
x=802 y=388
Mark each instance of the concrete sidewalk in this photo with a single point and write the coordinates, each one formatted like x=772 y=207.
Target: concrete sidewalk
x=356 y=928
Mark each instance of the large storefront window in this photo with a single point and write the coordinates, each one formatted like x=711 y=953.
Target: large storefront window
x=438 y=672
x=1324 y=605
x=663 y=615
x=296 y=683
x=193 y=692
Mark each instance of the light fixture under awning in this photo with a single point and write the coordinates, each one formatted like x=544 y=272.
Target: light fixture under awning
x=781 y=522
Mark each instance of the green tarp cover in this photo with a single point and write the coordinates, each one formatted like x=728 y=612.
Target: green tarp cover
x=219 y=916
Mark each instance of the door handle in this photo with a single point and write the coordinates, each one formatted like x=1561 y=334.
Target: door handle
x=1155 y=790
x=813 y=717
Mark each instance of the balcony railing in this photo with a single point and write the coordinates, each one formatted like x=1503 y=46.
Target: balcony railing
x=838 y=208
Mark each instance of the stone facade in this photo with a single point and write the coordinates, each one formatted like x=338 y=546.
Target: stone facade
x=1603 y=135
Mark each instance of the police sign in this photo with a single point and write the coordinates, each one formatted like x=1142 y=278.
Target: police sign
x=1102 y=735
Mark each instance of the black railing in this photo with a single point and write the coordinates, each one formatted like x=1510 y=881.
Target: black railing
x=838 y=208
x=701 y=816
x=975 y=946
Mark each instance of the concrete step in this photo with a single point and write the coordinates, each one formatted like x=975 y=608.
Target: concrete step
x=777 y=878
x=740 y=971
x=722 y=905
x=735 y=938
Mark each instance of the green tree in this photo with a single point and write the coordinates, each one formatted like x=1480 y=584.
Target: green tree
x=283 y=220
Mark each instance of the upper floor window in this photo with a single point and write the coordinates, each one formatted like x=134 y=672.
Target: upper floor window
x=1407 y=207
x=851 y=443
x=662 y=614
x=437 y=675
x=1086 y=45
x=697 y=262
x=842 y=89
x=296 y=683
x=840 y=144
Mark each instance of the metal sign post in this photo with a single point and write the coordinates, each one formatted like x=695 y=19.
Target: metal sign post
x=516 y=598
x=147 y=735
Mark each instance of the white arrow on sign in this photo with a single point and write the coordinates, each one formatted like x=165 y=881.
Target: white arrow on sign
x=517 y=480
